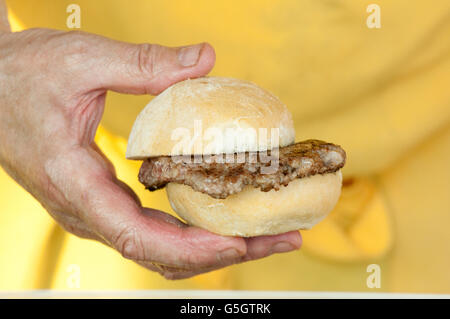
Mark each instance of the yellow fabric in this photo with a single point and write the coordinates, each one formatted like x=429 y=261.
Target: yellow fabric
x=380 y=93
x=357 y=229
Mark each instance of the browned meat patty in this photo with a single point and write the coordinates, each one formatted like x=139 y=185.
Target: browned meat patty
x=221 y=179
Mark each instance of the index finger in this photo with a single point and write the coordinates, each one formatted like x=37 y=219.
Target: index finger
x=137 y=233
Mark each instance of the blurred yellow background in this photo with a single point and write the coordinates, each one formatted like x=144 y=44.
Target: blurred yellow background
x=381 y=93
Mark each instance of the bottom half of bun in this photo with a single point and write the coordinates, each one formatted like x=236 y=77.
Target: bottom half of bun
x=299 y=205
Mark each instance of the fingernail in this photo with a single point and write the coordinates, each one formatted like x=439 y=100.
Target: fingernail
x=188 y=56
x=282 y=247
x=228 y=254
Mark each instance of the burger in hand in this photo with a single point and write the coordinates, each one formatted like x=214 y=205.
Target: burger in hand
x=225 y=151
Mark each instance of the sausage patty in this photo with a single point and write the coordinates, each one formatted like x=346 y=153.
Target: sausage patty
x=220 y=176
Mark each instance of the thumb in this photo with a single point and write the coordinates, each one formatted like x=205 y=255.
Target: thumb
x=147 y=68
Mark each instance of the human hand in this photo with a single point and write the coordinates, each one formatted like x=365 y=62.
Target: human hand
x=53 y=89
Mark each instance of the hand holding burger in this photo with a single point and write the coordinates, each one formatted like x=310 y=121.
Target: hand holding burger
x=55 y=87
x=227 y=186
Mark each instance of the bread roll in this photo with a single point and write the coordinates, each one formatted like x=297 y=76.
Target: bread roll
x=221 y=104
x=213 y=103
x=300 y=205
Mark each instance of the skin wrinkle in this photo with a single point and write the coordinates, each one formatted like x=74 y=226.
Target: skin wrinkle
x=146 y=63
x=88 y=117
x=51 y=119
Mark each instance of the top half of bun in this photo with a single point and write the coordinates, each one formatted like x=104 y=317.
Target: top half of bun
x=209 y=102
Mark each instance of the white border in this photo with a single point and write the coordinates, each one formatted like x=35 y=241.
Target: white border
x=213 y=294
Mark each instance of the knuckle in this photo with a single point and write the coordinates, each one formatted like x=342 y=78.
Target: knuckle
x=168 y=272
x=78 y=40
x=191 y=257
x=129 y=244
x=75 y=229
x=169 y=275
x=67 y=49
x=70 y=227
x=189 y=260
x=146 y=56
x=70 y=223
x=79 y=45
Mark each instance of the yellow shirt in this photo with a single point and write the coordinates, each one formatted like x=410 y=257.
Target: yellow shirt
x=382 y=93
